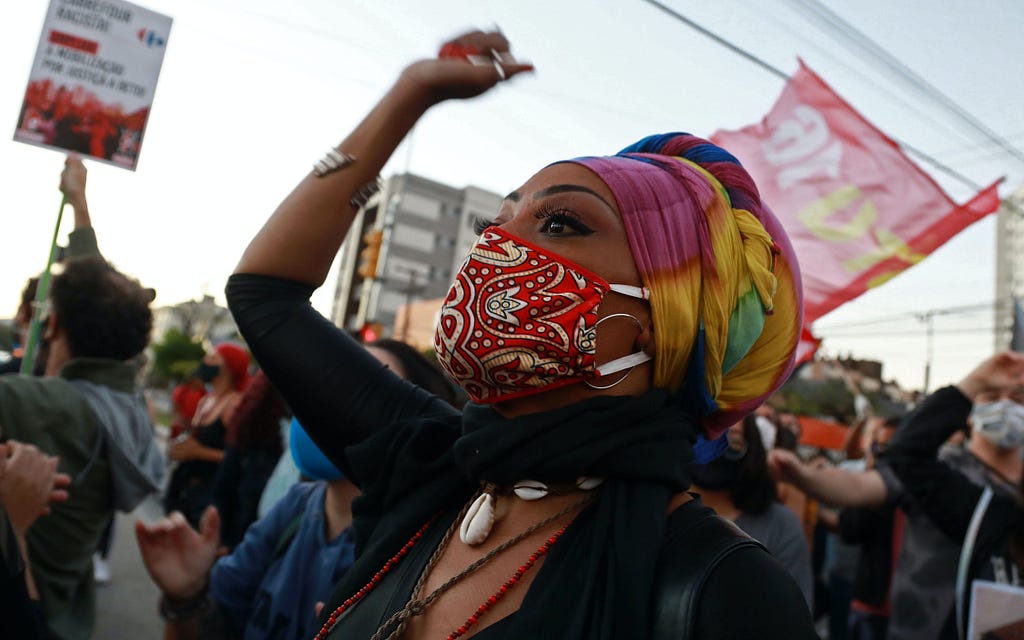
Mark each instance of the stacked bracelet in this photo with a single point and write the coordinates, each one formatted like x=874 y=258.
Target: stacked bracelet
x=359 y=200
x=332 y=161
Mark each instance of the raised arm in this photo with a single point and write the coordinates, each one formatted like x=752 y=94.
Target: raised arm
x=831 y=485
x=338 y=391
x=300 y=240
x=82 y=240
x=946 y=495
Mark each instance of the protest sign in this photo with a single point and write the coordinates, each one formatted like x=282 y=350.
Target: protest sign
x=92 y=82
x=997 y=611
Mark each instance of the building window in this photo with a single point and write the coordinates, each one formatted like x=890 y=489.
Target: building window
x=412 y=237
x=420 y=206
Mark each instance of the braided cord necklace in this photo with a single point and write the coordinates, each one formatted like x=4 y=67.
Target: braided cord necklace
x=398 y=622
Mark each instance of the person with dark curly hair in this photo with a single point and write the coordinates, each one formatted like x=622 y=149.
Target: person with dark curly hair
x=87 y=410
x=81 y=243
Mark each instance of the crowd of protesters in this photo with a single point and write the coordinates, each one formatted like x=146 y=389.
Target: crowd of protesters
x=260 y=525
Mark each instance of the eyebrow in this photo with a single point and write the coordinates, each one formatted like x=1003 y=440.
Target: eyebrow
x=555 y=189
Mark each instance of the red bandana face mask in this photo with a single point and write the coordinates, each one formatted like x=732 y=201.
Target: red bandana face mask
x=519 y=320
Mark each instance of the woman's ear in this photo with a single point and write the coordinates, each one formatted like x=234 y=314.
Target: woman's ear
x=645 y=341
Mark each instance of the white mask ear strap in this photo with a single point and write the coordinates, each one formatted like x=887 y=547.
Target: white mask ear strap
x=620 y=364
x=642 y=293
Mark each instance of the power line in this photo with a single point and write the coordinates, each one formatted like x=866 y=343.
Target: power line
x=935 y=163
x=856 y=39
x=908 y=315
x=919 y=332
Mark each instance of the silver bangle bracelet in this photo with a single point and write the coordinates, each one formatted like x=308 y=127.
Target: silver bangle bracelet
x=332 y=161
x=367 y=191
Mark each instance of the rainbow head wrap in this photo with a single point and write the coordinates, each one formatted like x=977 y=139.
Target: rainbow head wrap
x=725 y=287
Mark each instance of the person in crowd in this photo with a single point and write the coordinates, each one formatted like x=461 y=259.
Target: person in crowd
x=252 y=449
x=81 y=242
x=738 y=486
x=990 y=398
x=767 y=424
x=406 y=363
x=873 y=530
x=29 y=483
x=199 y=453
x=409 y=364
x=21 y=324
x=922 y=593
x=185 y=400
x=590 y=326
x=291 y=559
x=88 y=410
x=789 y=432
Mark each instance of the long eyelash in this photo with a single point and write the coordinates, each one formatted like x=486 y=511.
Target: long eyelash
x=481 y=224
x=565 y=216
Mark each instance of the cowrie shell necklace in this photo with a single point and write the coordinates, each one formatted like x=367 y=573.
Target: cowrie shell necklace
x=479 y=519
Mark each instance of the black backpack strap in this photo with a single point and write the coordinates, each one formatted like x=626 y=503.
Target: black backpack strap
x=287 y=536
x=688 y=557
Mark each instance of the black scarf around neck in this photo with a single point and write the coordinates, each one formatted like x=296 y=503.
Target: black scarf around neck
x=597 y=579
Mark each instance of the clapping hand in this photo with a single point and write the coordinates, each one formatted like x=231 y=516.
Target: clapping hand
x=29 y=482
x=179 y=558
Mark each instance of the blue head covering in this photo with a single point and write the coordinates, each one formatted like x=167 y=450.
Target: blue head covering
x=308 y=457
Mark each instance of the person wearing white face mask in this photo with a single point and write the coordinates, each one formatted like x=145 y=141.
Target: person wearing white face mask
x=937 y=492
x=988 y=521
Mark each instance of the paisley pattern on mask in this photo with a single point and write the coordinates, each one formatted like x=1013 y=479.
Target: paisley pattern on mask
x=518 y=320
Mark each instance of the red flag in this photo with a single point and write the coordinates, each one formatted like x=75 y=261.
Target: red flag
x=806 y=348
x=857 y=210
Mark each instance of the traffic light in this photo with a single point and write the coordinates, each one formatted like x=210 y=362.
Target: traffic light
x=371 y=331
x=371 y=253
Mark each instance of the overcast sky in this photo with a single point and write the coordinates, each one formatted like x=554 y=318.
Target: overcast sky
x=253 y=92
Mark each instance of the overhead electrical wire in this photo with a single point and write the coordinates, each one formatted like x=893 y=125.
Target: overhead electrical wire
x=873 y=52
x=934 y=162
x=907 y=315
x=919 y=332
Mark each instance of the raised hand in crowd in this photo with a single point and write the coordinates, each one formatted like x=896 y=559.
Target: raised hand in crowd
x=72 y=185
x=831 y=485
x=1002 y=373
x=178 y=557
x=313 y=218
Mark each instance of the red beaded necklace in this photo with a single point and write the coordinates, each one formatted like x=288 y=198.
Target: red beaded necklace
x=368 y=587
x=415 y=607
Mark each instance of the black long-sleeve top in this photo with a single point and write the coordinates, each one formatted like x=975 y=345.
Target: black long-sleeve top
x=342 y=395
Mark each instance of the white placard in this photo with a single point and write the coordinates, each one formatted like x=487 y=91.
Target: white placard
x=997 y=611
x=92 y=82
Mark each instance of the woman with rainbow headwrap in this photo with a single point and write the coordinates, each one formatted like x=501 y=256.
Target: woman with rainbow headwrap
x=612 y=321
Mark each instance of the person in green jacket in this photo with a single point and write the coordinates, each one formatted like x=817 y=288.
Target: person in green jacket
x=88 y=410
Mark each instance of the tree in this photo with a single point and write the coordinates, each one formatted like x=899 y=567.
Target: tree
x=175 y=357
x=6 y=336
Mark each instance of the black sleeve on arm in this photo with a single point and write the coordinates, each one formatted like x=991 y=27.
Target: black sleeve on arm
x=338 y=391
x=750 y=595
x=857 y=525
x=945 y=495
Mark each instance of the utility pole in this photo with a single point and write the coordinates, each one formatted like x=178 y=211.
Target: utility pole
x=408 y=305
x=928 y=318
x=410 y=291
